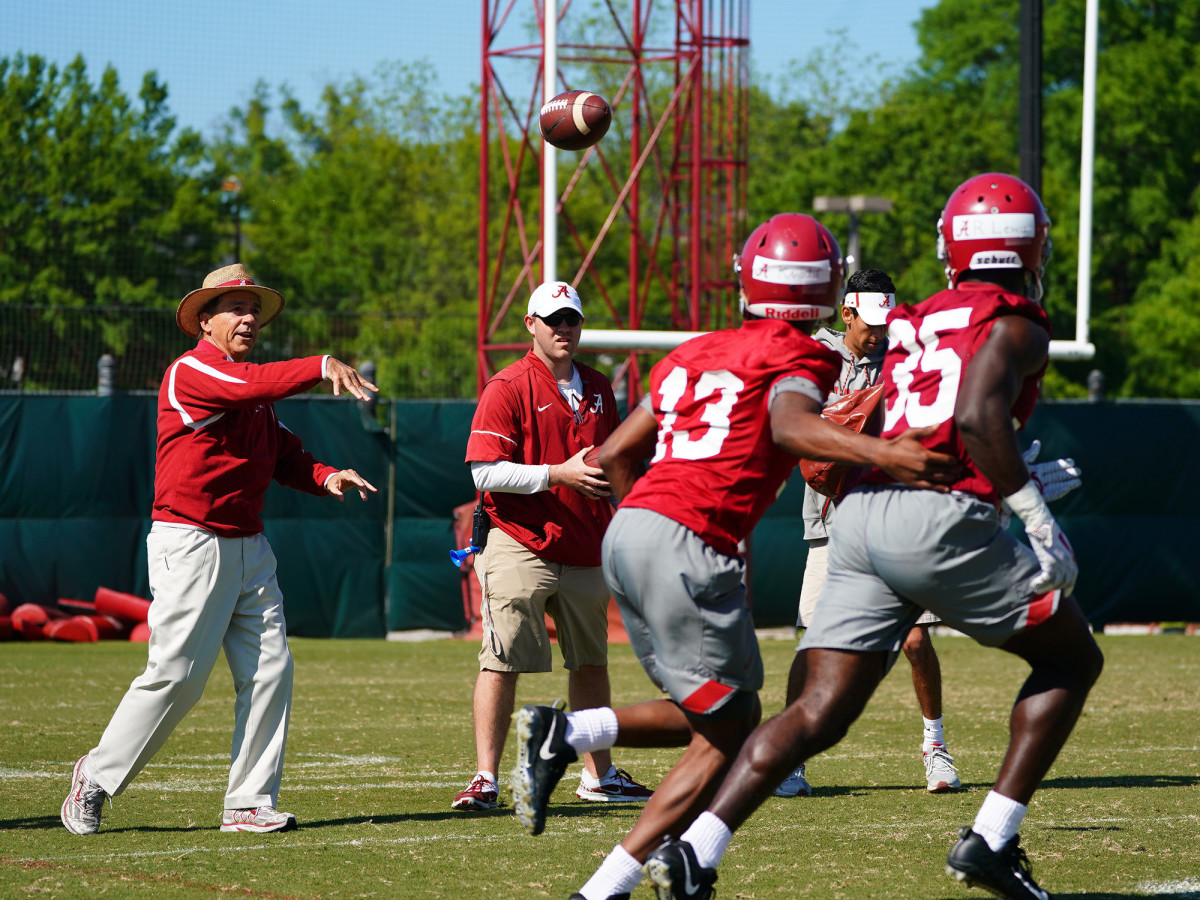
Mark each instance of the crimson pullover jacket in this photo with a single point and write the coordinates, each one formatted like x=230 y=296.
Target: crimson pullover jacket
x=220 y=442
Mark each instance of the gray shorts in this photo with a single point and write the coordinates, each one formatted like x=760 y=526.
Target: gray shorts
x=895 y=552
x=684 y=608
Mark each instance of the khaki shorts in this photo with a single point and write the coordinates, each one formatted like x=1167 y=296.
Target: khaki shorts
x=519 y=590
x=816 y=570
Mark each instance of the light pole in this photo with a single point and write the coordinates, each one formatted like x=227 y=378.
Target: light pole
x=233 y=187
x=855 y=205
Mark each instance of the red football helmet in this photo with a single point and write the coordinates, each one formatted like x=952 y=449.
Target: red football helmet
x=791 y=268
x=994 y=221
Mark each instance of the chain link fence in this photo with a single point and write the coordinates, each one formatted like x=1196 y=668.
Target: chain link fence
x=61 y=350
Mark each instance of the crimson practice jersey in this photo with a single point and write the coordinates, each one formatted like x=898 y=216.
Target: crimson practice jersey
x=523 y=417
x=930 y=345
x=220 y=442
x=715 y=468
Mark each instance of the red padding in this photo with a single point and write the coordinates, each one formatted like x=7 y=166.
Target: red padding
x=125 y=607
x=6 y=628
x=5 y=607
x=29 y=620
x=85 y=629
x=74 y=607
x=140 y=632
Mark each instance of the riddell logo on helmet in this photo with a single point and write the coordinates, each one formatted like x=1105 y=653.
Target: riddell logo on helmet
x=792 y=313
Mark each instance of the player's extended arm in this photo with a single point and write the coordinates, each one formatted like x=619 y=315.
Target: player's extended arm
x=1015 y=349
x=622 y=454
x=798 y=428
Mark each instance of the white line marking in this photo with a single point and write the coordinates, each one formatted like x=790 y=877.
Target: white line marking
x=1188 y=887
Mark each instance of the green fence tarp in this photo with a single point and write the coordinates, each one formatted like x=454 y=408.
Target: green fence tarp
x=77 y=484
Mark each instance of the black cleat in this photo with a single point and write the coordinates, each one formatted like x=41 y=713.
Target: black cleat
x=543 y=755
x=1006 y=873
x=579 y=896
x=677 y=875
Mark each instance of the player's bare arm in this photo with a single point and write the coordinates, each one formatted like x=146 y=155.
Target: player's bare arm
x=339 y=482
x=623 y=453
x=1015 y=349
x=346 y=378
x=579 y=476
x=797 y=426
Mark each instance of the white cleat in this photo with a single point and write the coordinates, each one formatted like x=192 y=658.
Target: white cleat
x=262 y=819
x=81 y=810
x=940 y=774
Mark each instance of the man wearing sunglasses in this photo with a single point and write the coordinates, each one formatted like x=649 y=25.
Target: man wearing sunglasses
x=536 y=421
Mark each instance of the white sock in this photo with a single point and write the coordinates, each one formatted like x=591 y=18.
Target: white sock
x=590 y=730
x=933 y=733
x=999 y=819
x=709 y=837
x=593 y=783
x=618 y=874
x=87 y=769
x=490 y=776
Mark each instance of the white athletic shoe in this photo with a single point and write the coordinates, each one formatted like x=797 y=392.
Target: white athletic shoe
x=795 y=785
x=81 y=810
x=262 y=819
x=940 y=774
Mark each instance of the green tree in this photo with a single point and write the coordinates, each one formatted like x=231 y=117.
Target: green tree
x=956 y=114
x=98 y=210
x=367 y=207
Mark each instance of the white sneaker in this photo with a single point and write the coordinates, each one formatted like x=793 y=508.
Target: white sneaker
x=263 y=819
x=795 y=785
x=940 y=774
x=81 y=810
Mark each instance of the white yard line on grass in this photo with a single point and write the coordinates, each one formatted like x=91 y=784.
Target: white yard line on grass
x=1188 y=887
x=272 y=846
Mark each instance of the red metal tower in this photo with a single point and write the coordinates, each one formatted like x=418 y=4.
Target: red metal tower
x=650 y=217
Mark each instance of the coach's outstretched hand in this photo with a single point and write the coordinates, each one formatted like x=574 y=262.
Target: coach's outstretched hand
x=346 y=378
x=907 y=460
x=340 y=482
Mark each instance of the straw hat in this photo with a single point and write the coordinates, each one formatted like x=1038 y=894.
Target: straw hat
x=222 y=281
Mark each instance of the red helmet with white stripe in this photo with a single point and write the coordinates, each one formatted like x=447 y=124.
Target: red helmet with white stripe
x=994 y=221
x=791 y=268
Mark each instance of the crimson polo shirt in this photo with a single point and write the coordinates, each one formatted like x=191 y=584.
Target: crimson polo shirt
x=523 y=418
x=220 y=442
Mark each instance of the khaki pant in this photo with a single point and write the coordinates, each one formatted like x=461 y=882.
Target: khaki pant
x=519 y=590
x=209 y=593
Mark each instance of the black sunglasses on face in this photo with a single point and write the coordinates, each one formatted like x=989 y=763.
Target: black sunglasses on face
x=555 y=319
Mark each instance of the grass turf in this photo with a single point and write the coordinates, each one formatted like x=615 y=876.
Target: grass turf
x=381 y=740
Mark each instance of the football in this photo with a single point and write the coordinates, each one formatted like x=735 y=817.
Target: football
x=592 y=457
x=575 y=120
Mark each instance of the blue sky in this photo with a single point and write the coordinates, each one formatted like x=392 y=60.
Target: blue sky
x=210 y=53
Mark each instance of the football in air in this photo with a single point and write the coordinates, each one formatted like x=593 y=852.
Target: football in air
x=575 y=120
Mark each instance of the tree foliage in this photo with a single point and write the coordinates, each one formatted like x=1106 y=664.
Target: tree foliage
x=367 y=206
x=956 y=114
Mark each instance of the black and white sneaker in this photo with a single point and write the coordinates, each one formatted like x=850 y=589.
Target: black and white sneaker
x=1005 y=873
x=579 y=896
x=676 y=873
x=543 y=755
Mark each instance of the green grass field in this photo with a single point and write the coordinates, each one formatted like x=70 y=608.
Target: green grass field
x=381 y=741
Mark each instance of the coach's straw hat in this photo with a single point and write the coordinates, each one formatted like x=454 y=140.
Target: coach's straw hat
x=222 y=281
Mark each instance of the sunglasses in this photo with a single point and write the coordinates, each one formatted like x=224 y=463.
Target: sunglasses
x=572 y=319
